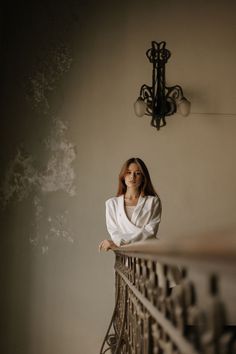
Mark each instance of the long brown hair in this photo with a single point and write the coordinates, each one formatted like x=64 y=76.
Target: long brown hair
x=146 y=187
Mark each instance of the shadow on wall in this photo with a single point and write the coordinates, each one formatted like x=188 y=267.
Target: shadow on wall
x=37 y=159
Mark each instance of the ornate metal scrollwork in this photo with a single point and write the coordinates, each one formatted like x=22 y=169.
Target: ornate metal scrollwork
x=153 y=315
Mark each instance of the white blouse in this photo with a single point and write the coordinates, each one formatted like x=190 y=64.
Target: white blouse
x=144 y=222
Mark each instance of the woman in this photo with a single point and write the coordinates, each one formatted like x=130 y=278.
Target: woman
x=135 y=213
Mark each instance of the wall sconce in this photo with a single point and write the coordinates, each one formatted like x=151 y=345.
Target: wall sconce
x=159 y=101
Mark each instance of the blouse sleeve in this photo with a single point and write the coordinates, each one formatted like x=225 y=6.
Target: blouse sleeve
x=112 y=226
x=151 y=228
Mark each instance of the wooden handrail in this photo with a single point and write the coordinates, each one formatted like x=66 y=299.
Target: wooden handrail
x=206 y=245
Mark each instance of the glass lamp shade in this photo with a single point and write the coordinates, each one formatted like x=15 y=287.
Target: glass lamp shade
x=184 y=107
x=140 y=107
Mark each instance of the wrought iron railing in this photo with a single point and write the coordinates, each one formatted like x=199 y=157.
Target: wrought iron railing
x=154 y=315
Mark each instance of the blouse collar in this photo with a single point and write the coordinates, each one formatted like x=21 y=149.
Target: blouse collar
x=137 y=209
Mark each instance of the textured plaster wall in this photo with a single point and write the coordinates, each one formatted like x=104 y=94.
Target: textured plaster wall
x=23 y=179
x=71 y=73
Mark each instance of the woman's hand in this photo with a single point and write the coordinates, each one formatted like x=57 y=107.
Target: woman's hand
x=107 y=245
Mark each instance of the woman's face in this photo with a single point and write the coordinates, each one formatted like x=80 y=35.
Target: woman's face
x=133 y=176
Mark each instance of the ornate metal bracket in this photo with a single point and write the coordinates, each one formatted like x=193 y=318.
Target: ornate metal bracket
x=158 y=100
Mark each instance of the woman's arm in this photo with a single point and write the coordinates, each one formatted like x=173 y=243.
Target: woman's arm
x=112 y=227
x=150 y=230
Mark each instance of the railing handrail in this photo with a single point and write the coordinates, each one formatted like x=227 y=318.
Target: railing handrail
x=205 y=246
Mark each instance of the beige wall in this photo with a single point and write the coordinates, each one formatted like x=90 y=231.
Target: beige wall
x=66 y=136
